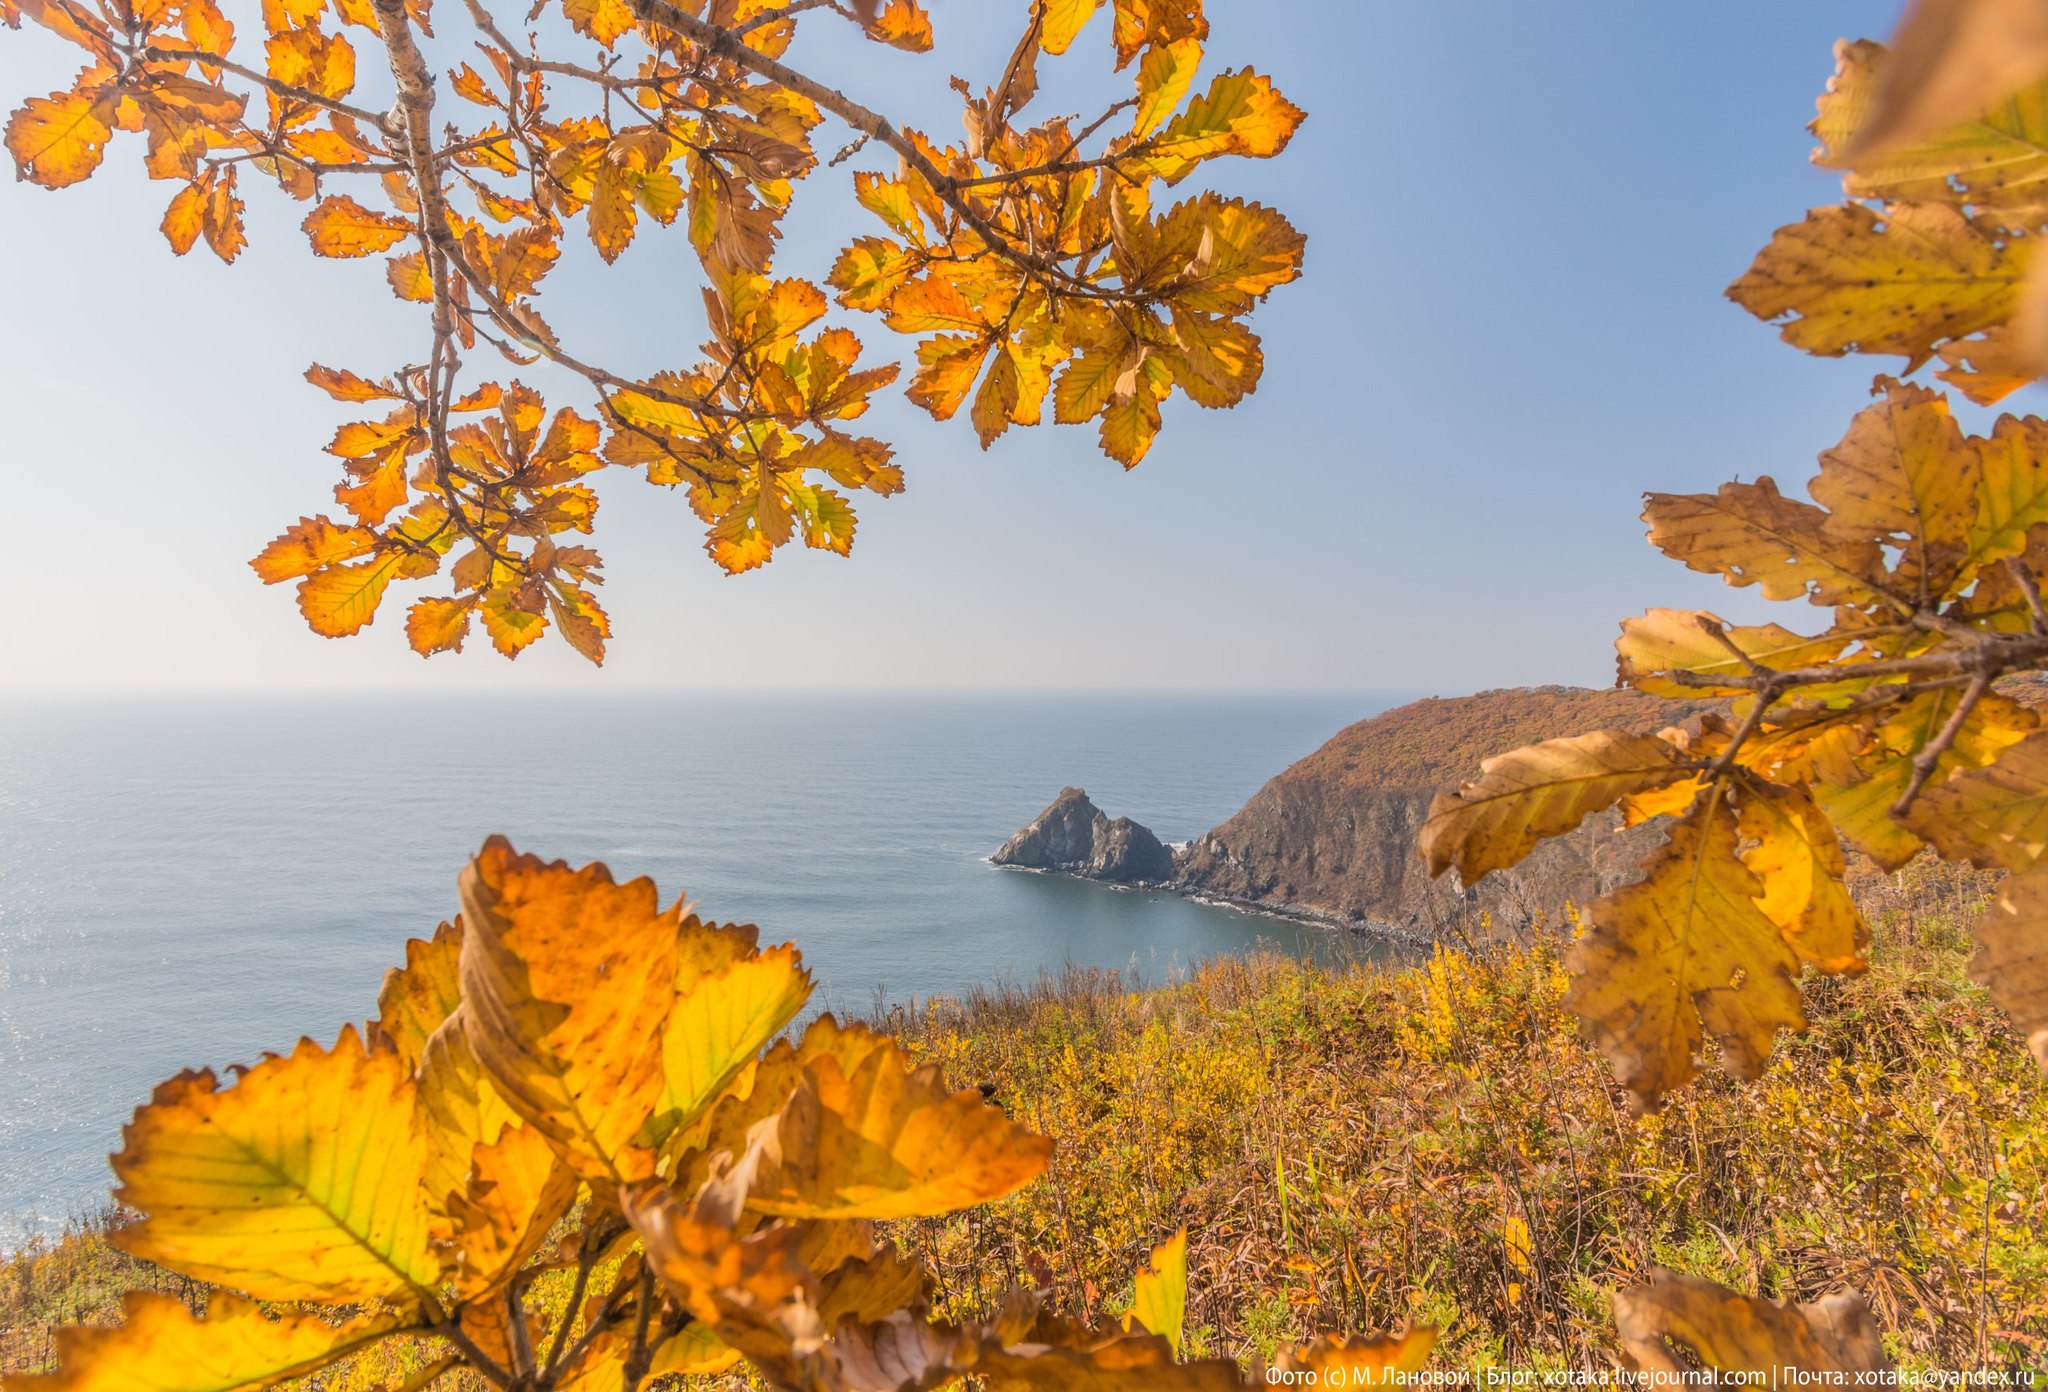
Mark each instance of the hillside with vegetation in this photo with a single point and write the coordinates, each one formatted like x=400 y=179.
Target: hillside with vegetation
x=1365 y=1147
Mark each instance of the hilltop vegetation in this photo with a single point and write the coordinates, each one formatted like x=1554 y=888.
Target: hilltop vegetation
x=1439 y=741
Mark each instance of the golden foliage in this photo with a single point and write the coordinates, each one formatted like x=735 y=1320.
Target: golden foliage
x=1928 y=545
x=567 y=1083
x=1026 y=262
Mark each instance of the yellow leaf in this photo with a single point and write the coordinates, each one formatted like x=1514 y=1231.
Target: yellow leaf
x=1514 y=1240
x=1088 y=382
x=1727 y=1332
x=417 y=998
x=581 y=620
x=463 y=1112
x=1219 y=362
x=1163 y=81
x=2012 y=489
x=1537 y=792
x=712 y=1271
x=887 y=1141
x=1364 y=1362
x=410 y=277
x=1130 y=421
x=513 y=627
x=1903 y=476
x=160 y=1346
x=998 y=398
x=947 y=367
x=1222 y=255
x=2012 y=956
x=1951 y=60
x=60 y=139
x=695 y=1352
x=1855 y=282
x=340 y=226
x=1861 y=806
x=1142 y=24
x=1799 y=863
x=299 y=1182
x=518 y=1188
x=1997 y=159
x=869 y=270
x=1753 y=535
x=343 y=599
x=1160 y=1298
x=1061 y=20
x=611 y=217
x=1666 y=641
x=1682 y=951
x=566 y=981
x=305 y=57
x=1995 y=817
x=1242 y=113
x=721 y=1019
x=378 y=494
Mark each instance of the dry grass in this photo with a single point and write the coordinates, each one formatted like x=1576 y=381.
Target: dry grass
x=1356 y=1149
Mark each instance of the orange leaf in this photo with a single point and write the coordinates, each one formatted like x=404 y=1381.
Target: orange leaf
x=438 y=625
x=342 y=227
x=60 y=139
x=344 y=385
x=315 y=542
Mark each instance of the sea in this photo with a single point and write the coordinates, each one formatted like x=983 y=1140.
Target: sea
x=196 y=882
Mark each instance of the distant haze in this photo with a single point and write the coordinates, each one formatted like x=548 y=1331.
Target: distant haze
x=1520 y=221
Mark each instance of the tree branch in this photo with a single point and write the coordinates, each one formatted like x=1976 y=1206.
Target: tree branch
x=725 y=45
x=157 y=53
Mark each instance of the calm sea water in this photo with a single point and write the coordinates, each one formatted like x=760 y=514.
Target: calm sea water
x=193 y=883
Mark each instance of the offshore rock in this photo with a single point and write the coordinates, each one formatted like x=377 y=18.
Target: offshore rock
x=1073 y=835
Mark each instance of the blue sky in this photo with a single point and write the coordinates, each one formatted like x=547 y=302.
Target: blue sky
x=1520 y=217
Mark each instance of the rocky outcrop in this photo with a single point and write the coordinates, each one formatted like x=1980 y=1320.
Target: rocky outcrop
x=1073 y=835
x=1333 y=837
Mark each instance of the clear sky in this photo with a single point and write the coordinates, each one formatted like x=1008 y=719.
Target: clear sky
x=1520 y=217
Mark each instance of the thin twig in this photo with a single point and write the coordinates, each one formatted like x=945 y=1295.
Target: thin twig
x=1925 y=761
x=2029 y=587
x=158 y=53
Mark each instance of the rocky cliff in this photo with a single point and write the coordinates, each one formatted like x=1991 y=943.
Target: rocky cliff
x=1073 y=835
x=1333 y=837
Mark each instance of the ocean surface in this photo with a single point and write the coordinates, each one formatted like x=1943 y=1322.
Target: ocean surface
x=193 y=883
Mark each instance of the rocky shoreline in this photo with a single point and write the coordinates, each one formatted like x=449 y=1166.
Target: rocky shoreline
x=1331 y=840
x=1075 y=837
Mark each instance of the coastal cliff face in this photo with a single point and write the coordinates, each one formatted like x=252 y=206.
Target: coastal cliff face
x=1333 y=837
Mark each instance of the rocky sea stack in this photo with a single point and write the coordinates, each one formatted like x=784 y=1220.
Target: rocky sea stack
x=1073 y=835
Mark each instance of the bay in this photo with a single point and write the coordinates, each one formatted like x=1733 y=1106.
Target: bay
x=193 y=882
